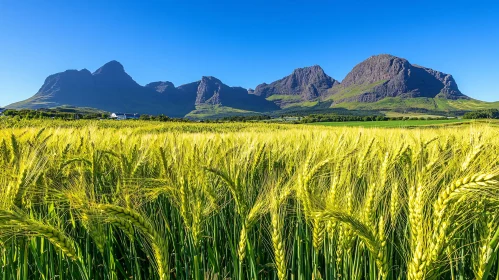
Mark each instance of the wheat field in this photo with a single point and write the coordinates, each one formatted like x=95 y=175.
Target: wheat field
x=140 y=200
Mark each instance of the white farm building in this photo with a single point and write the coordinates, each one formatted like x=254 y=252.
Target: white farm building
x=124 y=116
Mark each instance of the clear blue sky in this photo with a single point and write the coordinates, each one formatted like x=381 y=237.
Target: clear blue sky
x=244 y=43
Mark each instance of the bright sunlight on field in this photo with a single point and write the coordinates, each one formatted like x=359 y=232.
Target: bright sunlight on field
x=401 y=123
x=146 y=200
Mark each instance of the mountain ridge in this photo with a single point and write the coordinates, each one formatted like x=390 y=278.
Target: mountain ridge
x=303 y=84
x=385 y=75
x=373 y=80
x=111 y=88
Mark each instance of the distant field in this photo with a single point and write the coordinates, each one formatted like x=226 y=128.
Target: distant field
x=401 y=123
x=419 y=103
x=392 y=114
x=215 y=111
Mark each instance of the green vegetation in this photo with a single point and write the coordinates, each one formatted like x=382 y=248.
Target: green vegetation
x=392 y=103
x=292 y=101
x=354 y=90
x=391 y=114
x=322 y=107
x=340 y=118
x=33 y=102
x=395 y=123
x=247 y=201
x=217 y=112
x=246 y=118
x=436 y=106
x=482 y=114
x=352 y=120
x=472 y=104
x=284 y=97
x=65 y=113
x=292 y=106
x=303 y=104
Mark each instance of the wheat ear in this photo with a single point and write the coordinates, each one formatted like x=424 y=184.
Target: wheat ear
x=158 y=243
x=364 y=232
x=54 y=235
x=469 y=182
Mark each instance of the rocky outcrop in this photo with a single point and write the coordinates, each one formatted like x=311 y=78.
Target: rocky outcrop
x=162 y=87
x=211 y=91
x=110 y=88
x=56 y=87
x=450 y=89
x=112 y=74
x=390 y=76
x=309 y=83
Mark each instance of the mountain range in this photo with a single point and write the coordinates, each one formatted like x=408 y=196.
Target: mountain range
x=381 y=82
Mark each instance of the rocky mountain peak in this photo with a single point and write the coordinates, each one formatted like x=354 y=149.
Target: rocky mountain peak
x=209 y=90
x=313 y=75
x=309 y=71
x=210 y=80
x=112 y=74
x=69 y=80
x=376 y=68
x=307 y=83
x=385 y=75
x=112 y=66
x=85 y=71
x=111 y=88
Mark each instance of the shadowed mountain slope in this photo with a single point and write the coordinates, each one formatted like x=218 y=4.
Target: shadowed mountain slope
x=304 y=84
x=383 y=76
x=381 y=82
x=110 y=88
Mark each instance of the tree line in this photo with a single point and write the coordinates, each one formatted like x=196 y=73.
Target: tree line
x=52 y=114
x=353 y=118
x=482 y=114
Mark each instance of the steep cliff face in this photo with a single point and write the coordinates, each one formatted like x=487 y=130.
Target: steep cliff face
x=57 y=87
x=304 y=84
x=450 y=89
x=176 y=102
x=162 y=87
x=211 y=91
x=389 y=76
x=110 y=88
